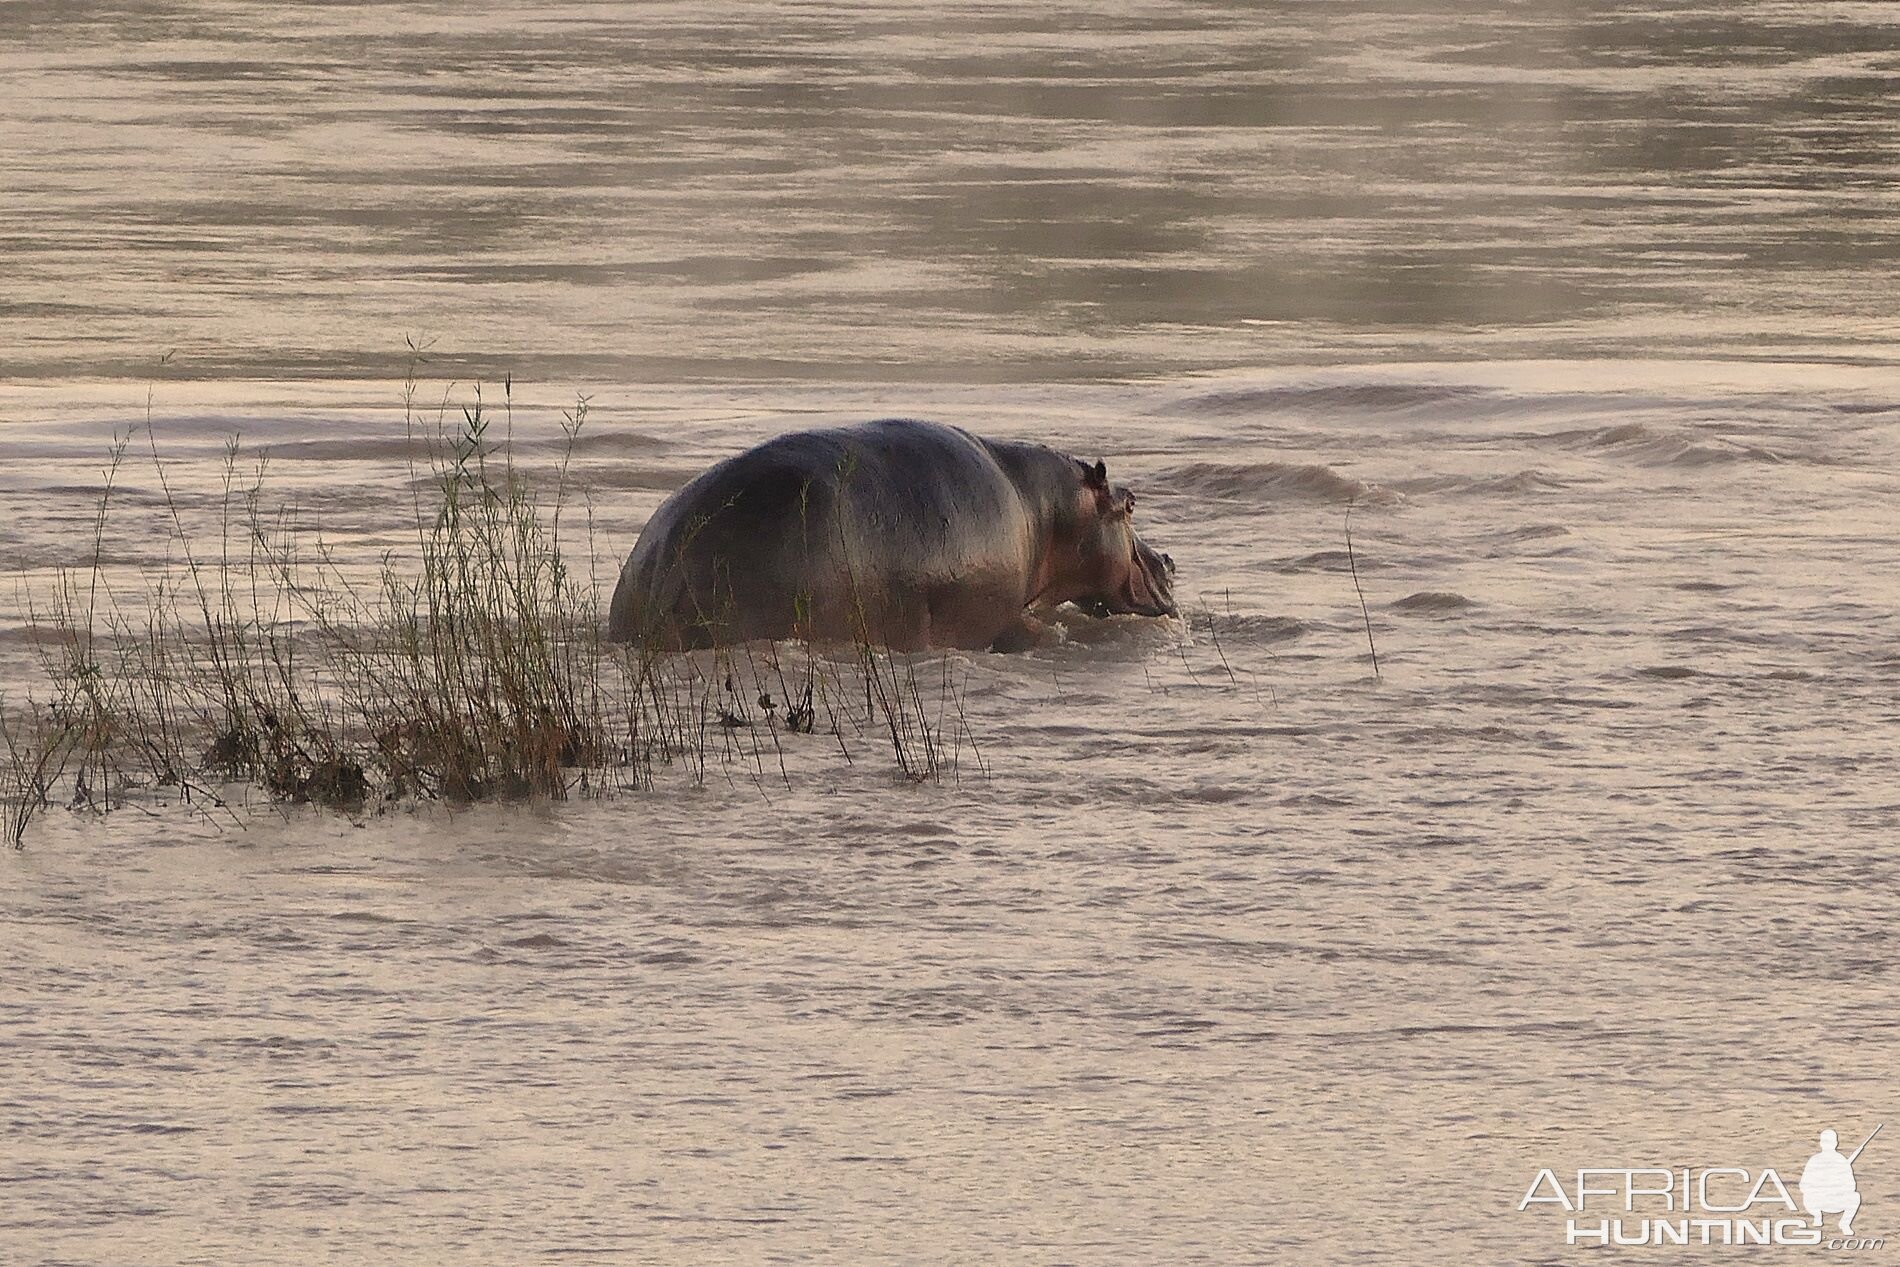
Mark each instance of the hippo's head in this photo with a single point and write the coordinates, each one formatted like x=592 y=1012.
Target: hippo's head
x=1114 y=570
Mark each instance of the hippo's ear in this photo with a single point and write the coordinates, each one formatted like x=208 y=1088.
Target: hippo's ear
x=1096 y=476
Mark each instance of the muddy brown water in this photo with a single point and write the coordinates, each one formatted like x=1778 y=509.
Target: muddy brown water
x=1588 y=312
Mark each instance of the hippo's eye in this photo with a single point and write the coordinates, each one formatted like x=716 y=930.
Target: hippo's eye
x=1130 y=507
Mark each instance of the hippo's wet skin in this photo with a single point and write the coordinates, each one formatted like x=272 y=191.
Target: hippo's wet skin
x=906 y=534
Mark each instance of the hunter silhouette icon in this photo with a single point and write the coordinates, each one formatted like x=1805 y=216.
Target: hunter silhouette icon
x=1827 y=1181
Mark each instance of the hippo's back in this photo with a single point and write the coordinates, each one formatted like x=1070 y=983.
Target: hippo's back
x=836 y=533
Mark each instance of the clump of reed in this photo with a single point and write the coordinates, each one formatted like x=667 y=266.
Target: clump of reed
x=471 y=665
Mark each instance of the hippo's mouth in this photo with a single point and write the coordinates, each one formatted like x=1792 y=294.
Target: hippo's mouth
x=1149 y=590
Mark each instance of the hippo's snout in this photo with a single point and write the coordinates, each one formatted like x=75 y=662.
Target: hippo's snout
x=1150 y=589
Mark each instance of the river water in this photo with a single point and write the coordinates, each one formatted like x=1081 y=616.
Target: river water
x=1220 y=947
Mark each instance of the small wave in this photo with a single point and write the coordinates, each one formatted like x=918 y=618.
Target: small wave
x=608 y=442
x=1533 y=532
x=1513 y=485
x=1242 y=629
x=1656 y=446
x=1433 y=601
x=357 y=449
x=1329 y=561
x=653 y=478
x=1214 y=794
x=29 y=635
x=1342 y=397
x=536 y=941
x=1270 y=481
x=1313 y=800
x=1075 y=627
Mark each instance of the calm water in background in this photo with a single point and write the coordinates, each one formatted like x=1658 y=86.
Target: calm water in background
x=1589 y=310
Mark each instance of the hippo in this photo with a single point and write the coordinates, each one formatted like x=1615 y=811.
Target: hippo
x=899 y=533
